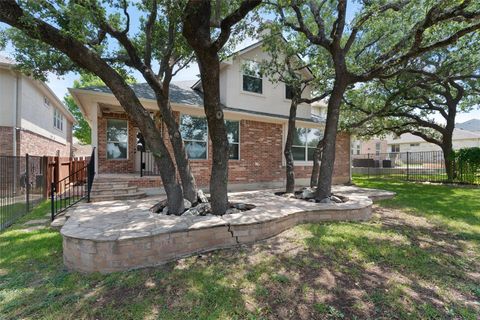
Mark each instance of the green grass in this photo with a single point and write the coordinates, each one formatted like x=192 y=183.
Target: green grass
x=456 y=208
x=417 y=258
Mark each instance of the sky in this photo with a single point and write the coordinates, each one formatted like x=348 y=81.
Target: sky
x=60 y=85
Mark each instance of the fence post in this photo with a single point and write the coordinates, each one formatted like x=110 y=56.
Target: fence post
x=141 y=163
x=408 y=165
x=52 y=199
x=368 y=166
x=27 y=181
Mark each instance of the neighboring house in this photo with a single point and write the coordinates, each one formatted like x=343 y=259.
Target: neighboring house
x=470 y=125
x=32 y=119
x=411 y=143
x=374 y=146
x=256 y=111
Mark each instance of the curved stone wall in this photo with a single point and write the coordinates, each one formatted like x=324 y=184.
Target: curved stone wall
x=109 y=236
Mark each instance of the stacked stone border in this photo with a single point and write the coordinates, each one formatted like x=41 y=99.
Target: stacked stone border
x=152 y=240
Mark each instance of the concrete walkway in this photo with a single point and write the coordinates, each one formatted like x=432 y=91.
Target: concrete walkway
x=118 y=235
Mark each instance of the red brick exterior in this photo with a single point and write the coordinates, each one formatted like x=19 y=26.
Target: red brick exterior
x=33 y=144
x=261 y=157
x=37 y=145
x=6 y=141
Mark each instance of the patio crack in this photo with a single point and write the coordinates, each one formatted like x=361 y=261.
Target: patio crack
x=231 y=231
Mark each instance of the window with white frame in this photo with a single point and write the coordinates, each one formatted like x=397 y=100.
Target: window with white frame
x=358 y=149
x=233 y=135
x=377 y=148
x=252 y=77
x=57 y=119
x=117 y=139
x=304 y=143
x=395 y=148
x=195 y=136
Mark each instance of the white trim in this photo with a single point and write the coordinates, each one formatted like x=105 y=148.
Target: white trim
x=262 y=95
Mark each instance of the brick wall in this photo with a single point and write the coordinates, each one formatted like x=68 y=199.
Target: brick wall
x=261 y=156
x=6 y=141
x=37 y=145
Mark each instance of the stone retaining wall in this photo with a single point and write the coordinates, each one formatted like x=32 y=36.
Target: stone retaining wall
x=109 y=252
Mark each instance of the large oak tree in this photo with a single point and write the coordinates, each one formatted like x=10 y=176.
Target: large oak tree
x=207 y=29
x=378 y=41
x=98 y=37
x=423 y=99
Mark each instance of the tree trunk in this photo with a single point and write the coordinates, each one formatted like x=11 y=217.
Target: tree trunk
x=324 y=186
x=12 y=14
x=289 y=164
x=183 y=166
x=317 y=154
x=209 y=65
x=447 y=149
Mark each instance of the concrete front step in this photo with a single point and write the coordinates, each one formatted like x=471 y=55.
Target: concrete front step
x=101 y=191
x=112 y=196
x=109 y=185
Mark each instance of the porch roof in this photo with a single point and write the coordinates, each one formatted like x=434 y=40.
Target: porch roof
x=181 y=92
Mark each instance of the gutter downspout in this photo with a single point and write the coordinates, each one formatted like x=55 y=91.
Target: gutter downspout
x=15 y=116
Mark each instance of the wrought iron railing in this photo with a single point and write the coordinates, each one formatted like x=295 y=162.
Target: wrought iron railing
x=411 y=166
x=22 y=185
x=72 y=189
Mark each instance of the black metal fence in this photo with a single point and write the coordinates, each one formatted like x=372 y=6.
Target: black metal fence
x=411 y=166
x=22 y=185
x=73 y=188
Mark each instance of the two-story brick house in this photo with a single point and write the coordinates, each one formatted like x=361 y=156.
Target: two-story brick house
x=256 y=111
x=32 y=119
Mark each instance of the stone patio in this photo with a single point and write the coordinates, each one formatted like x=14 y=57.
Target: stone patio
x=120 y=235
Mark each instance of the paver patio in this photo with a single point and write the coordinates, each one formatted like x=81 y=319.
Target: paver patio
x=119 y=235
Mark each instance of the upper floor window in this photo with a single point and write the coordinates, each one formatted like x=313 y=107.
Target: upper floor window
x=414 y=144
x=117 y=139
x=304 y=143
x=252 y=77
x=395 y=148
x=233 y=135
x=58 y=119
x=195 y=135
x=288 y=92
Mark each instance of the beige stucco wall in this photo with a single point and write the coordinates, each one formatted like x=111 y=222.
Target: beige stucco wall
x=7 y=97
x=272 y=99
x=36 y=116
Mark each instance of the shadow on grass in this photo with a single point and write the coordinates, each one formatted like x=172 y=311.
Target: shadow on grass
x=458 y=208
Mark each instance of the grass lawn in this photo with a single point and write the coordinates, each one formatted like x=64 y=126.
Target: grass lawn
x=418 y=258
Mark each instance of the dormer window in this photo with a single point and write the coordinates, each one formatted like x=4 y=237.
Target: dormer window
x=252 y=77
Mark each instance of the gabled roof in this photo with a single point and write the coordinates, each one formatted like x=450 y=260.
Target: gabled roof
x=10 y=64
x=458 y=134
x=6 y=61
x=240 y=52
x=470 y=125
x=180 y=92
